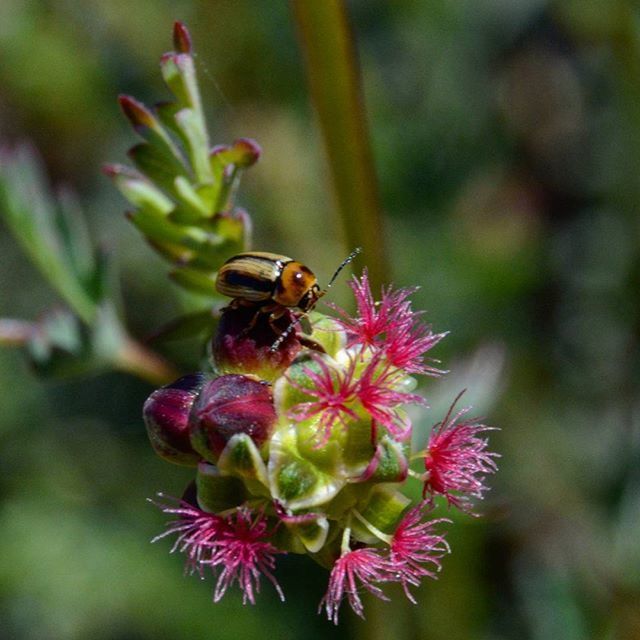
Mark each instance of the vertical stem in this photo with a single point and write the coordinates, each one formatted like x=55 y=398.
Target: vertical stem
x=336 y=92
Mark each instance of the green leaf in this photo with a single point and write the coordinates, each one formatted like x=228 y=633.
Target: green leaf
x=51 y=232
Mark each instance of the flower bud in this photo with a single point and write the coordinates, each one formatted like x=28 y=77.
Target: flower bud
x=166 y=415
x=230 y=405
x=245 y=339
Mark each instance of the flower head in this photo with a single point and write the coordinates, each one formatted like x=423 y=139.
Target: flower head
x=456 y=460
x=391 y=326
x=365 y=566
x=373 y=319
x=198 y=531
x=404 y=348
x=415 y=545
x=244 y=554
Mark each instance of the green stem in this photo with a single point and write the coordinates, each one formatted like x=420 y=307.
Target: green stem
x=336 y=92
x=136 y=359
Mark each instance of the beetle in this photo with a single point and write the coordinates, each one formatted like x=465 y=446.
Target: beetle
x=262 y=277
x=273 y=283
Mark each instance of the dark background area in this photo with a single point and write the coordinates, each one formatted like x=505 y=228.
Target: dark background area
x=506 y=136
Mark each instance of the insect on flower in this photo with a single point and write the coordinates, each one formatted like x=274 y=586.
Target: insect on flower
x=273 y=283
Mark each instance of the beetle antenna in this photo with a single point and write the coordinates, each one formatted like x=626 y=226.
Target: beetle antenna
x=344 y=263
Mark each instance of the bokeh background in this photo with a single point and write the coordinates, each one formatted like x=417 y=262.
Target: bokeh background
x=506 y=136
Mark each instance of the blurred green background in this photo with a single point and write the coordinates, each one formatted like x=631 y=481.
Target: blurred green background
x=506 y=136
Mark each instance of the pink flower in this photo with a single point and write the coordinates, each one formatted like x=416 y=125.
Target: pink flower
x=198 y=531
x=365 y=566
x=244 y=555
x=457 y=460
x=378 y=393
x=405 y=347
x=333 y=389
x=415 y=545
x=391 y=326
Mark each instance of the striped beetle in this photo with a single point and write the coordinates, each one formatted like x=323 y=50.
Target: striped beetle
x=273 y=283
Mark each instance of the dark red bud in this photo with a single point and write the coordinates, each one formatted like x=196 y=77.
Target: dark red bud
x=181 y=38
x=166 y=416
x=245 y=339
x=227 y=406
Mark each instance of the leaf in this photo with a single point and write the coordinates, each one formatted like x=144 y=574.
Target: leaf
x=51 y=232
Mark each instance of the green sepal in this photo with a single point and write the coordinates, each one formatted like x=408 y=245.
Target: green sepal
x=285 y=394
x=357 y=447
x=217 y=492
x=312 y=533
x=296 y=482
x=241 y=458
x=389 y=463
x=285 y=539
x=383 y=511
x=328 y=457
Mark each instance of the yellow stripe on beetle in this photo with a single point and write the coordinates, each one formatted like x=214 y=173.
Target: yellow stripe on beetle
x=259 y=276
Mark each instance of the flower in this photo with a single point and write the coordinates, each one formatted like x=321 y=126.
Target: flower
x=374 y=319
x=405 y=347
x=456 y=460
x=390 y=326
x=377 y=390
x=244 y=555
x=198 y=531
x=365 y=565
x=237 y=543
x=414 y=544
x=333 y=389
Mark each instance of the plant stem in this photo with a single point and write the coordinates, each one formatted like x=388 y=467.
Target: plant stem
x=336 y=92
x=136 y=359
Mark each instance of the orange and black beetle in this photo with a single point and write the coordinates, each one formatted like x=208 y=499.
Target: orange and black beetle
x=262 y=277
